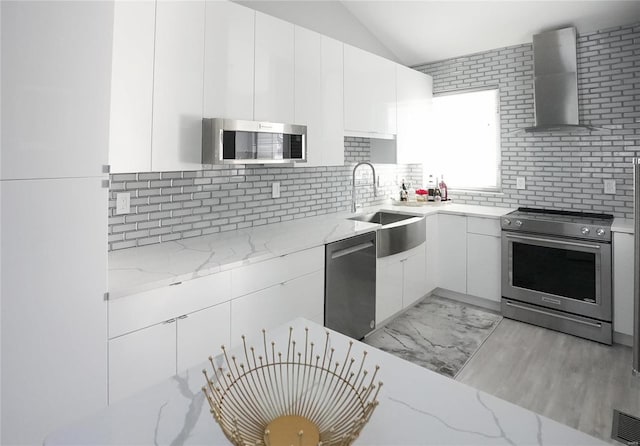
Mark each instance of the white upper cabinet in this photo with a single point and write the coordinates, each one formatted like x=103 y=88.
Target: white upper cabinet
x=319 y=96
x=369 y=93
x=132 y=86
x=178 y=86
x=414 y=106
x=56 y=71
x=274 y=70
x=228 y=61
x=308 y=91
x=332 y=102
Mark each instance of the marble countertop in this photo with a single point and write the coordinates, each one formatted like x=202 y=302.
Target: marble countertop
x=135 y=270
x=622 y=225
x=417 y=406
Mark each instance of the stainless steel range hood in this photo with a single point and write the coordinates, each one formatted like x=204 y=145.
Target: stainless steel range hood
x=556 y=82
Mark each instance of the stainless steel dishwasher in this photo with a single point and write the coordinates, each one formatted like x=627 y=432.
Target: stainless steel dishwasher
x=350 y=285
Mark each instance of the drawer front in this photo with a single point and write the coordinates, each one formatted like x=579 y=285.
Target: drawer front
x=483 y=226
x=270 y=307
x=250 y=278
x=141 y=310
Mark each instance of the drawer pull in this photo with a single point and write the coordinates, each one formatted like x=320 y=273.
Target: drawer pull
x=175 y=283
x=184 y=316
x=169 y=321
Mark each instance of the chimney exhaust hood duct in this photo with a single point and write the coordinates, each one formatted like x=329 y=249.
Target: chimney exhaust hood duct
x=556 y=82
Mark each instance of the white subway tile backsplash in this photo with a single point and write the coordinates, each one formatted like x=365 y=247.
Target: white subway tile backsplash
x=173 y=205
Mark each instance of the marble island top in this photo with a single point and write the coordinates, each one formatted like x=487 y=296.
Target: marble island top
x=135 y=270
x=417 y=406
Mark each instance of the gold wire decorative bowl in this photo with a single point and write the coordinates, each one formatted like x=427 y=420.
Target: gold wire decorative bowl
x=276 y=399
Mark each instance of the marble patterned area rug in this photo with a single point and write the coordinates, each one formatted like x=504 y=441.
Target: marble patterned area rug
x=437 y=333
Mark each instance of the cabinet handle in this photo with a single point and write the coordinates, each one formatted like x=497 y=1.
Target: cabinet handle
x=175 y=283
x=170 y=321
x=184 y=316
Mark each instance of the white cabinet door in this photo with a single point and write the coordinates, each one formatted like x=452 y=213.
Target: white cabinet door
x=483 y=266
x=300 y=297
x=228 y=60
x=201 y=334
x=56 y=75
x=178 y=84
x=389 y=287
x=623 y=283
x=274 y=73
x=415 y=278
x=141 y=359
x=132 y=86
x=432 y=257
x=308 y=92
x=54 y=320
x=414 y=105
x=369 y=92
x=452 y=239
x=332 y=102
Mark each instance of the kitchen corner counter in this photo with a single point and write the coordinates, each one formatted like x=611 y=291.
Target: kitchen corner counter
x=417 y=406
x=135 y=270
x=622 y=225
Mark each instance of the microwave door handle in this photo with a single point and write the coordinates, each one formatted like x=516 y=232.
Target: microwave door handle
x=557 y=242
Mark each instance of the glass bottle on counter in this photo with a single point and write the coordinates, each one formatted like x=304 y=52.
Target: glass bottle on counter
x=443 y=189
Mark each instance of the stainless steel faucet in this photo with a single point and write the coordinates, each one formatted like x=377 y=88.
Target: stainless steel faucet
x=353 y=184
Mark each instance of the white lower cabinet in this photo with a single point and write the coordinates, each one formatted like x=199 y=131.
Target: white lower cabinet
x=623 y=283
x=267 y=308
x=483 y=266
x=452 y=265
x=141 y=359
x=389 y=271
x=431 y=248
x=414 y=284
x=400 y=281
x=200 y=335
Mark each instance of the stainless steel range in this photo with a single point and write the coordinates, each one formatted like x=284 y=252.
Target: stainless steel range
x=556 y=271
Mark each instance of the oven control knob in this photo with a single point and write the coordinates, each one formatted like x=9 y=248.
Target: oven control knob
x=600 y=232
x=518 y=223
x=585 y=231
x=506 y=222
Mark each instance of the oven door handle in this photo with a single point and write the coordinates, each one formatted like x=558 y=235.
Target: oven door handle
x=559 y=316
x=557 y=242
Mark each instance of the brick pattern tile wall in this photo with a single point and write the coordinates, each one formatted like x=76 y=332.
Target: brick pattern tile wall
x=174 y=205
x=565 y=171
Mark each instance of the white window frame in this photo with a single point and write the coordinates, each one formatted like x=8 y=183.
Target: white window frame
x=498 y=187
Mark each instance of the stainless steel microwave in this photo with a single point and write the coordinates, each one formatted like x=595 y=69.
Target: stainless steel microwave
x=232 y=141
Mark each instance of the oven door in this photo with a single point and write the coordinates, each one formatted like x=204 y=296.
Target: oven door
x=563 y=274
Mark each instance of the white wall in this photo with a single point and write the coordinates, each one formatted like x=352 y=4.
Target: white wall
x=330 y=18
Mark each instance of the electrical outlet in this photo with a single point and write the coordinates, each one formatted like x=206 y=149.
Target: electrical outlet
x=275 y=190
x=123 y=203
x=610 y=187
x=520 y=183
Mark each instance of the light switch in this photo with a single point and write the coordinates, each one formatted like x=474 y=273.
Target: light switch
x=123 y=203
x=520 y=183
x=275 y=190
x=610 y=187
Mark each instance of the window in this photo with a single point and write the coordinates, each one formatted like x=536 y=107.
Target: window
x=467 y=140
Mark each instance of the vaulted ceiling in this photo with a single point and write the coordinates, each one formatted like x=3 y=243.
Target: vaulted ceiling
x=415 y=32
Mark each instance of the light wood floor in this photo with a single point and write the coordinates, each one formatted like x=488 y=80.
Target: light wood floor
x=568 y=379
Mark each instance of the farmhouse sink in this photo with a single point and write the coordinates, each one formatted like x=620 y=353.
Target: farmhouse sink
x=398 y=232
